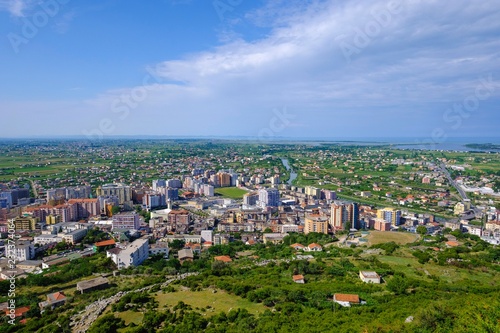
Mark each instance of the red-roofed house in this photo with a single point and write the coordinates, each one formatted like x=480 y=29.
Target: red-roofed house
x=53 y=300
x=18 y=312
x=346 y=299
x=298 y=246
x=223 y=258
x=298 y=278
x=313 y=247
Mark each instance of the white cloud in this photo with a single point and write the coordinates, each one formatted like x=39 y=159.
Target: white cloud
x=16 y=8
x=422 y=57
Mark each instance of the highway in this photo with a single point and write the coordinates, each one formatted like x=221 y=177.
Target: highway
x=453 y=183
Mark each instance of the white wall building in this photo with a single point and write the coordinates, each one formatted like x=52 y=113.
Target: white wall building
x=133 y=255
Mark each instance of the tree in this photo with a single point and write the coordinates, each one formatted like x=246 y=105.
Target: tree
x=107 y=324
x=115 y=210
x=421 y=230
x=397 y=285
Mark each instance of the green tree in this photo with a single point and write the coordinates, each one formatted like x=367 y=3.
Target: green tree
x=107 y=324
x=421 y=230
x=397 y=284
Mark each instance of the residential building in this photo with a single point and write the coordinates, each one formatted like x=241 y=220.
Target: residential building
x=313 y=247
x=185 y=255
x=174 y=183
x=250 y=199
x=159 y=248
x=24 y=251
x=274 y=238
x=390 y=215
x=127 y=220
x=344 y=215
x=382 y=225
x=93 y=284
x=74 y=236
x=86 y=208
x=299 y=278
x=53 y=300
x=157 y=183
x=24 y=223
x=226 y=259
x=133 y=255
x=346 y=299
x=316 y=224
x=47 y=239
x=123 y=192
x=313 y=192
x=268 y=197
x=369 y=277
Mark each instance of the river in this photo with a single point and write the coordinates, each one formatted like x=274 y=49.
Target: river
x=293 y=174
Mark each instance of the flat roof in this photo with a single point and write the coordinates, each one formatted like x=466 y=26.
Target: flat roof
x=92 y=283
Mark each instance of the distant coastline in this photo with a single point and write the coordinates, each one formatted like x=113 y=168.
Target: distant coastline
x=483 y=146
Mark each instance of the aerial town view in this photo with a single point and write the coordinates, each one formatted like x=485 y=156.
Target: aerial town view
x=233 y=166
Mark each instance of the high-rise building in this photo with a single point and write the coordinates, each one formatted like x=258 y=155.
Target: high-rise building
x=123 y=192
x=268 y=197
x=316 y=224
x=86 y=208
x=24 y=223
x=128 y=220
x=174 y=183
x=208 y=190
x=159 y=183
x=224 y=179
x=313 y=192
x=344 y=215
x=250 y=199
x=390 y=215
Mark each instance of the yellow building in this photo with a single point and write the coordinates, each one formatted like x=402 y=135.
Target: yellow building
x=53 y=219
x=459 y=208
x=315 y=223
x=390 y=215
x=25 y=223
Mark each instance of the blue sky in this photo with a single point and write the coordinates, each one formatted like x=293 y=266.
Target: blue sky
x=260 y=68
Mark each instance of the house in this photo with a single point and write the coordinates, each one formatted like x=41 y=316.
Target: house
x=104 y=244
x=274 y=238
x=369 y=277
x=185 y=255
x=346 y=299
x=17 y=312
x=30 y=265
x=93 y=284
x=196 y=247
x=159 y=248
x=53 y=301
x=133 y=255
x=452 y=244
x=55 y=262
x=298 y=247
x=313 y=247
x=298 y=278
x=226 y=259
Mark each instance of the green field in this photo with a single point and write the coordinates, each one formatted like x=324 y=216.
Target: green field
x=377 y=237
x=131 y=317
x=231 y=192
x=218 y=301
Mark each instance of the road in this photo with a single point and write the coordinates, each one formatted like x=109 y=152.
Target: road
x=462 y=193
x=453 y=183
